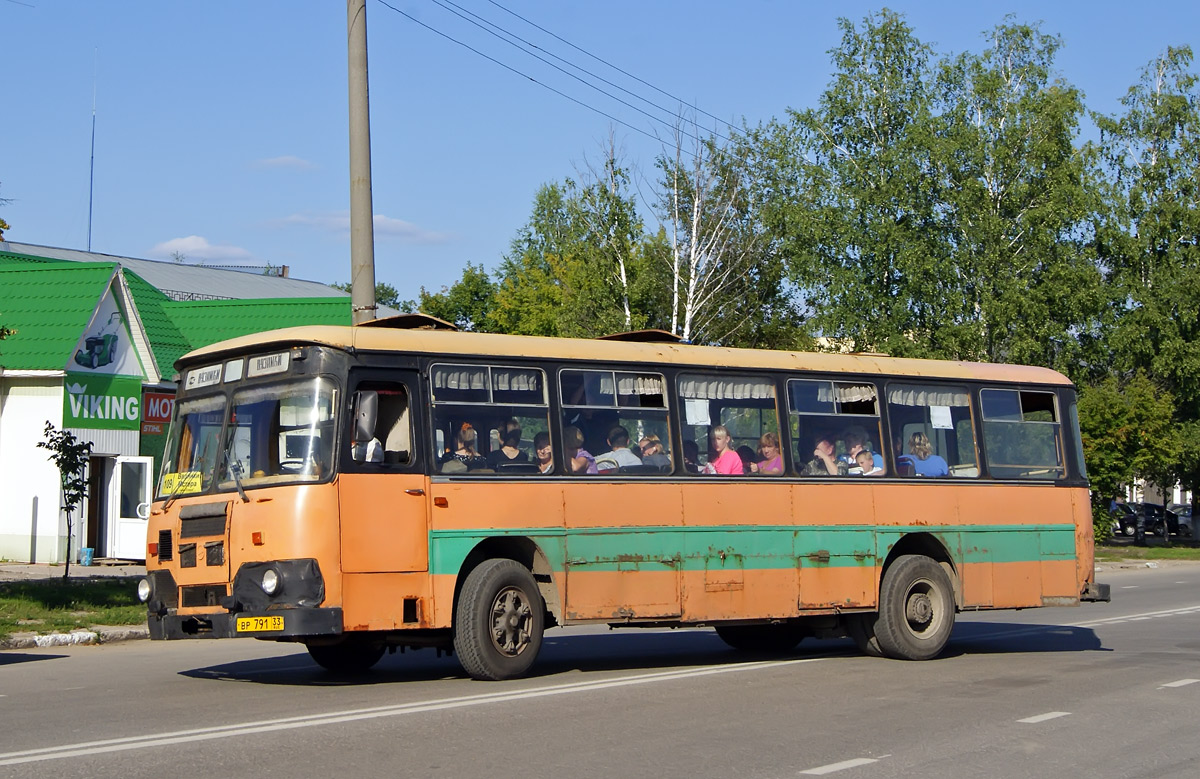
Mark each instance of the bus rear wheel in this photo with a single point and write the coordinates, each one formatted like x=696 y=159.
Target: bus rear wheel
x=350 y=655
x=762 y=638
x=499 y=621
x=916 y=612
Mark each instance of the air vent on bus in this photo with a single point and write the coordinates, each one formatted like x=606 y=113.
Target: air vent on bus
x=202 y=526
x=201 y=594
x=644 y=337
x=165 y=551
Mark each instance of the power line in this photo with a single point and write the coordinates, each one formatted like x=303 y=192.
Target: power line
x=519 y=73
x=482 y=21
x=609 y=64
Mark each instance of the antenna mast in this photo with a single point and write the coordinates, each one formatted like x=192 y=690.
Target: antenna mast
x=92 y=166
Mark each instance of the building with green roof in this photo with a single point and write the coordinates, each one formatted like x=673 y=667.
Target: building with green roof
x=92 y=351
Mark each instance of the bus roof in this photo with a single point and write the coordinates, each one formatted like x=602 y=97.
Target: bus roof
x=452 y=343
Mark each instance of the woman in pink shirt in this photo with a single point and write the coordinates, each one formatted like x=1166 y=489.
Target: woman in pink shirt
x=726 y=462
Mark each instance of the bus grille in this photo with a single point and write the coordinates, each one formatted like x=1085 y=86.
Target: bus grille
x=202 y=526
x=201 y=595
x=165 y=551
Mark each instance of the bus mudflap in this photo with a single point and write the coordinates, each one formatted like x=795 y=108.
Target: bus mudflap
x=1094 y=592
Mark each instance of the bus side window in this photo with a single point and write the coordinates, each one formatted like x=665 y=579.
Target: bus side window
x=933 y=433
x=391 y=439
x=743 y=405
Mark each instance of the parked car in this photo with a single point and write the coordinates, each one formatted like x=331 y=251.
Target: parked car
x=1183 y=516
x=1158 y=520
x=1124 y=519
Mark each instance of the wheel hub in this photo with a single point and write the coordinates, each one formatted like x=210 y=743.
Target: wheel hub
x=919 y=610
x=511 y=618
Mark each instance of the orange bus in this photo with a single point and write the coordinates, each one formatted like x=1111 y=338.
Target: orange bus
x=358 y=489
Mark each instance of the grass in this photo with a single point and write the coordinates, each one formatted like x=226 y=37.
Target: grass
x=1109 y=553
x=52 y=605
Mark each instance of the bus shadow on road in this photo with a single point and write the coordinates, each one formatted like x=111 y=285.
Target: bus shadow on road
x=14 y=658
x=982 y=638
x=624 y=650
x=633 y=650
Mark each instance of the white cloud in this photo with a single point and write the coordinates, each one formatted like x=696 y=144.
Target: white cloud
x=286 y=161
x=195 y=247
x=339 y=222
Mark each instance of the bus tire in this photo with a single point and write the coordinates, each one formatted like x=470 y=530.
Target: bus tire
x=916 y=609
x=762 y=638
x=861 y=628
x=351 y=655
x=499 y=621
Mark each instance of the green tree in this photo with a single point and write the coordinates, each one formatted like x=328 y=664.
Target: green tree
x=385 y=294
x=1017 y=204
x=849 y=194
x=70 y=456
x=1148 y=240
x=467 y=303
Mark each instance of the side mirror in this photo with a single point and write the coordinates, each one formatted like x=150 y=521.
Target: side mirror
x=366 y=412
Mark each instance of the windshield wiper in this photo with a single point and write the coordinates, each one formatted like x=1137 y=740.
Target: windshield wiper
x=235 y=469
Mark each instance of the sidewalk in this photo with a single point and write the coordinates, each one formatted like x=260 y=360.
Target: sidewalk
x=100 y=634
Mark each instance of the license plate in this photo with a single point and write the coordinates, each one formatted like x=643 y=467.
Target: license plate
x=258 y=624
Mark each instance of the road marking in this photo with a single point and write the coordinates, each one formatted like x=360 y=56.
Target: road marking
x=842 y=766
x=1043 y=717
x=86 y=748
x=1180 y=683
x=1130 y=587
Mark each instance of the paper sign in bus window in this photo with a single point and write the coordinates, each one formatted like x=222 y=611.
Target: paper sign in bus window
x=939 y=417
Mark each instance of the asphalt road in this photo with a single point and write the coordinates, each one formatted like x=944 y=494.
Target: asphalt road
x=1104 y=690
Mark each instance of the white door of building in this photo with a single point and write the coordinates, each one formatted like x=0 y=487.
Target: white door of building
x=129 y=507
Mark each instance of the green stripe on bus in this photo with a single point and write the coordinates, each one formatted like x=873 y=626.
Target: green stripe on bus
x=759 y=547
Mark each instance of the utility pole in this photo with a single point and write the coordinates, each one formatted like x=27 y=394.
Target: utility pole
x=362 y=229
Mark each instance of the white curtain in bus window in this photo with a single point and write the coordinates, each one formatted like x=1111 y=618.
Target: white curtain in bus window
x=489 y=419
x=743 y=405
x=1021 y=434
x=932 y=431
x=622 y=420
x=846 y=414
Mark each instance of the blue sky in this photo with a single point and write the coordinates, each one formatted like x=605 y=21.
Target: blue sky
x=222 y=126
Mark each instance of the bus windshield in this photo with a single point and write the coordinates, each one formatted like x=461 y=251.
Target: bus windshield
x=272 y=434
x=280 y=433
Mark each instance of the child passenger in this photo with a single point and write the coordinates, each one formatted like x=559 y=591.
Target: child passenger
x=866 y=462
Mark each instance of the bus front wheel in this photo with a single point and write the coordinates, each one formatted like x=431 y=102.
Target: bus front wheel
x=916 y=612
x=499 y=621
x=351 y=655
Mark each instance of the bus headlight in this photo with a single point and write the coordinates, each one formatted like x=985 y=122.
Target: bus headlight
x=143 y=590
x=270 y=581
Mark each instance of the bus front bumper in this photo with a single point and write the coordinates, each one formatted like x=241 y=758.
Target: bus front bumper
x=284 y=624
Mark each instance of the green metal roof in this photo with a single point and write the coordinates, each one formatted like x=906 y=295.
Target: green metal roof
x=48 y=302
x=49 y=305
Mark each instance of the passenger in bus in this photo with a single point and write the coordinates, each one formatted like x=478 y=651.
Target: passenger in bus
x=579 y=460
x=510 y=449
x=771 y=462
x=370 y=452
x=691 y=456
x=747 y=457
x=619 y=455
x=866 y=463
x=725 y=461
x=823 y=462
x=465 y=451
x=856 y=441
x=924 y=462
x=542 y=453
x=654 y=454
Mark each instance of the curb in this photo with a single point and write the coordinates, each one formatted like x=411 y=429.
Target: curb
x=97 y=635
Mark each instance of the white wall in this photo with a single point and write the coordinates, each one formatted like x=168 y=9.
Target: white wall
x=30 y=521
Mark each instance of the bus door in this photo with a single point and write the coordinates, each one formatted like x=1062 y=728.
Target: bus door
x=381 y=487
